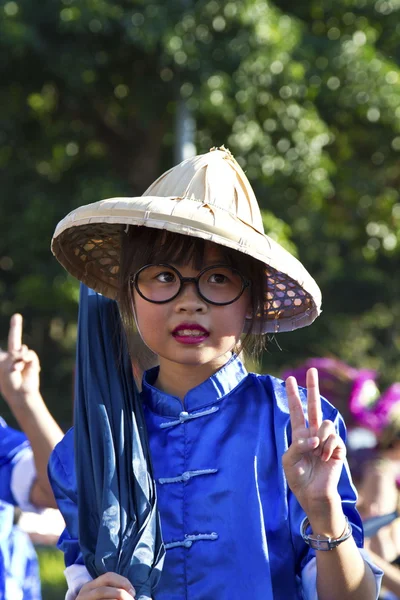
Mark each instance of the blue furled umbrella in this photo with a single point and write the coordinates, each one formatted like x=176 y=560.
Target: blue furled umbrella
x=119 y=526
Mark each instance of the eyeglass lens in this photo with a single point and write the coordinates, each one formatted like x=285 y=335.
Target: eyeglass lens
x=159 y=283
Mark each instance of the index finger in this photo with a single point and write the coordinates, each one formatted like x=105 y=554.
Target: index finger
x=313 y=399
x=297 y=418
x=15 y=333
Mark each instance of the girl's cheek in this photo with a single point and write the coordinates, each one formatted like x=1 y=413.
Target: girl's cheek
x=150 y=321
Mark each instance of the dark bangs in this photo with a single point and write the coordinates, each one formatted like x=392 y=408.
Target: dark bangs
x=141 y=246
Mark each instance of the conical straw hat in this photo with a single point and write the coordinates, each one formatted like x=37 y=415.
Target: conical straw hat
x=209 y=197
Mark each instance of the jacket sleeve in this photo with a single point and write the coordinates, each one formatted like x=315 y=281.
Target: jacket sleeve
x=283 y=439
x=63 y=481
x=348 y=496
x=14 y=449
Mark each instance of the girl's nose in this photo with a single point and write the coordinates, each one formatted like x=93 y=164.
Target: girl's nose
x=189 y=300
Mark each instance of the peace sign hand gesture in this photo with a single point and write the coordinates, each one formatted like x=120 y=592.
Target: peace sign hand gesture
x=19 y=366
x=313 y=463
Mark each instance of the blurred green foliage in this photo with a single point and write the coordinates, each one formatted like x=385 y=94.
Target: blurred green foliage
x=51 y=564
x=307 y=97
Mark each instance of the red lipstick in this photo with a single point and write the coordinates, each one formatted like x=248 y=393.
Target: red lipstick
x=190 y=333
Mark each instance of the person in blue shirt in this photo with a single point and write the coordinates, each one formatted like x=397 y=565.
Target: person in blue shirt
x=254 y=493
x=23 y=465
x=19 y=569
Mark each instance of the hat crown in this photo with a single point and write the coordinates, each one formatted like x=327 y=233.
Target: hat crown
x=214 y=179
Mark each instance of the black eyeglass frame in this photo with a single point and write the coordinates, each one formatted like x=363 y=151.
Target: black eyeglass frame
x=245 y=283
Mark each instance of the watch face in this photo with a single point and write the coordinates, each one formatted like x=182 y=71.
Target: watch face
x=320 y=544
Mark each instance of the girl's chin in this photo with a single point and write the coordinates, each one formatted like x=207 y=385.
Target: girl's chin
x=197 y=357
x=192 y=354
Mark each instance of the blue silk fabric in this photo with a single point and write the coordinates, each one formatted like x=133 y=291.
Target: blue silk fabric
x=19 y=570
x=12 y=443
x=119 y=528
x=231 y=526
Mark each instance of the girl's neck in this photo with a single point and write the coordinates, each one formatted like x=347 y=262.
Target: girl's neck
x=177 y=379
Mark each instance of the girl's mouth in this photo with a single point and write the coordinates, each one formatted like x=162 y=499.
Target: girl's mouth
x=190 y=333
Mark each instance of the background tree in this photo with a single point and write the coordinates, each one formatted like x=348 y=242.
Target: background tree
x=306 y=96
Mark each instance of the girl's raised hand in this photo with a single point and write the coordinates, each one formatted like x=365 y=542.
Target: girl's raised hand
x=313 y=463
x=109 y=586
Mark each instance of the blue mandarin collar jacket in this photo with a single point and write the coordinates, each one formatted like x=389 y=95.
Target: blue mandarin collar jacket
x=230 y=524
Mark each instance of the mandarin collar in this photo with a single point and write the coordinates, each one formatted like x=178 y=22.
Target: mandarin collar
x=210 y=391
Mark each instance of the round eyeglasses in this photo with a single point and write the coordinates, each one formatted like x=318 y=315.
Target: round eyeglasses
x=219 y=284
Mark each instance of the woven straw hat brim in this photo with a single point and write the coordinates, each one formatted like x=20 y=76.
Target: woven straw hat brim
x=87 y=243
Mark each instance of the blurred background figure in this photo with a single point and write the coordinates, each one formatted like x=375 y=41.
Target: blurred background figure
x=23 y=465
x=379 y=492
x=373 y=443
x=379 y=487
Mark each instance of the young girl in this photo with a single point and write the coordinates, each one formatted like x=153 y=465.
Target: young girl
x=255 y=498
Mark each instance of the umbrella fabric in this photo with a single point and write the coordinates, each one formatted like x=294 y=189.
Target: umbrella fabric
x=119 y=526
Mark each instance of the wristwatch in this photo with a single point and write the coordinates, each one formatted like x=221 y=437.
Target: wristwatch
x=322 y=542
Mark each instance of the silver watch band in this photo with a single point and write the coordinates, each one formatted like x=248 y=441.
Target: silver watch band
x=324 y=543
